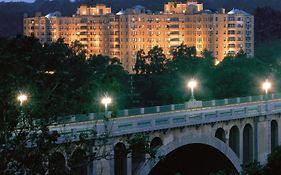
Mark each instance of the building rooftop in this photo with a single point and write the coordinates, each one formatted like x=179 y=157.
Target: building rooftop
x=237 y=11
x=54 y=14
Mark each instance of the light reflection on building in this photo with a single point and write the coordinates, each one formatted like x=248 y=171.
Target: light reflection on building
x=124 y=33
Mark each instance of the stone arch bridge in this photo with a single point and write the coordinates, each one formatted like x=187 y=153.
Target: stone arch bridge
x=235 y=131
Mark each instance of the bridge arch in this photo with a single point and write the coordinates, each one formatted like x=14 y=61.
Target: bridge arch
x=188 y=140
x=156 y=143
x=78 y=162
x=220 y=134
x=120 y=159
x=274 y=134
x=57 y=163
x=248 y=143
x=234 y=139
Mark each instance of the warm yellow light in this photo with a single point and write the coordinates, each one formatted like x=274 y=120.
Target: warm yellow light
x=22 y=98
x=266 y=86
x=106 y=100
x=217 y=62
x=192 y=84
x=49 y=72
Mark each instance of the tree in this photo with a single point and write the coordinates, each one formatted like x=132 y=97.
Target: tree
x=273 y=162
x=157 y=60
x=59 y=81
x=141 y=63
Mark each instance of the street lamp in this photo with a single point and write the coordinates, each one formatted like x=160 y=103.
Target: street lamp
x=192 y=84
x=106 y=101
x=22 y=98
x=266 y=86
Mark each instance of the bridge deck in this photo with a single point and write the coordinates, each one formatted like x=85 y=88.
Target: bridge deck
x=176 y=116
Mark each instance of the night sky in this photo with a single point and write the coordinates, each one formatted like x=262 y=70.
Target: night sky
x=17 y=0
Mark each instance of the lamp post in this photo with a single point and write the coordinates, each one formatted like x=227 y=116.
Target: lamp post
x=192 y=84
x=22 y=98
x=266 y=86
x=106 y=101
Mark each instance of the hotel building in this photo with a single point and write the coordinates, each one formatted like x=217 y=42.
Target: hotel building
x=122 y=34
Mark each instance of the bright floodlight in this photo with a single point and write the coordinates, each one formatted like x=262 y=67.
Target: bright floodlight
x=22 y=98
x=192 y=84
x=106 y=101
x=266 y=86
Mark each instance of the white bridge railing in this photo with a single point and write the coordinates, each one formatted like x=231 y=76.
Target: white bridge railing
x=165 y=108
x=219 y=110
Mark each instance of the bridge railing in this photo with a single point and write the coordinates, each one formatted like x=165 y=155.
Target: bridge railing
x=165 y=108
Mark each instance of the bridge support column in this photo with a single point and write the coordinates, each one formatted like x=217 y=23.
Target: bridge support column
x=91 y=116
x=227 y=137
x=241 y=151
x=129 y=164
x=103 y=167
x=263 y=139
x=250 y=98
x=279 y=131
x=142 y=110
x=225 y=101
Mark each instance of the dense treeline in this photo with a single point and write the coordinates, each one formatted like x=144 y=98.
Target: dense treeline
x=61 y=81
x=162 y=81
x=58 y=78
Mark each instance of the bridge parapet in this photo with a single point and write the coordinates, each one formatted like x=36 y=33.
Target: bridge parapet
x=165 y=108
x=172 y=119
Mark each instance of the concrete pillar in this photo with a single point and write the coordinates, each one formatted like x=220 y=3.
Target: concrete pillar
x=96 y=167
x=238 y=99
x=250 y=98
x=129 y=164
x=225 y=101
x=91 y=164
x=172 y=107
x=232 y=112
x=245 y=110
x=217 y=114
x=91 y=168
x=111 y=166
x=74 y=133
x=142 y=110
x=279 y=130
x=126 y=112
x=91 y=116
x=73 y=119
x=157 y=108
x=226 y=131
x=241 y=151
x=263 y=140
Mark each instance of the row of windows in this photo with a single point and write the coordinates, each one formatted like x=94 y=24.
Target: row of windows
x=106 y=20
x=172 y=19
x=233 y=32
x=235 y=45
x=94 y=27
x=235 y=39
x=235 y=25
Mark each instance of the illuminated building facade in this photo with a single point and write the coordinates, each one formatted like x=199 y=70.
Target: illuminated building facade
x=124 y=33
